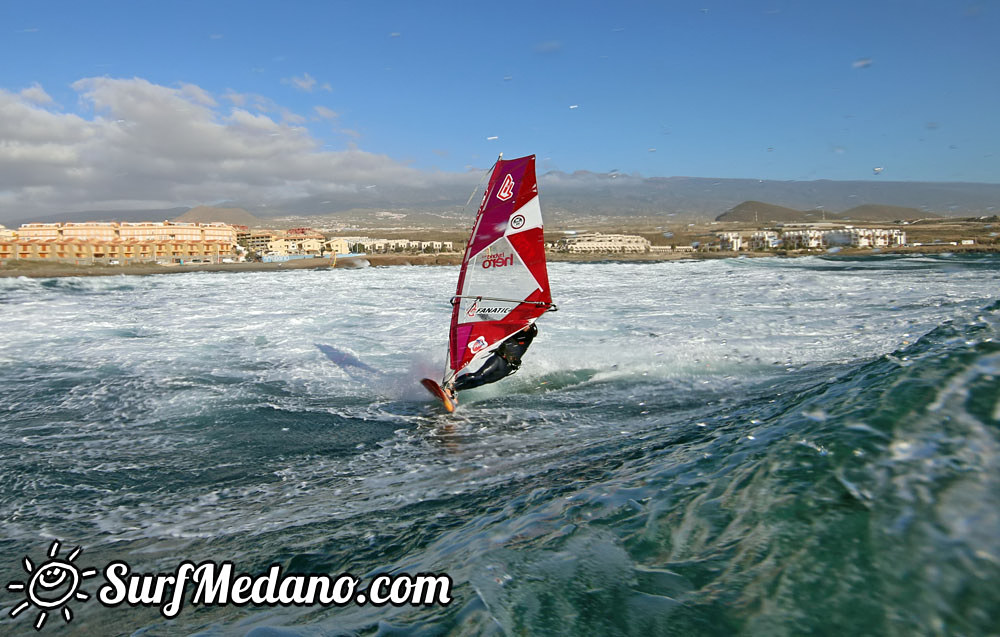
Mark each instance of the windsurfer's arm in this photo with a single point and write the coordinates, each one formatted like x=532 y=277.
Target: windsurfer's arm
x=513 y=349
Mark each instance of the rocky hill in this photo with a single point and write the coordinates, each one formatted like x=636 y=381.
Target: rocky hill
x=880 y=212
x=760 y=212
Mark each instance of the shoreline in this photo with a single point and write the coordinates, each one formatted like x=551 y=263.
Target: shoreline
x=44 y=269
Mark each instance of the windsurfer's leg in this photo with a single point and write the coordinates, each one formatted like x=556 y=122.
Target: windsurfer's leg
x=494 y=369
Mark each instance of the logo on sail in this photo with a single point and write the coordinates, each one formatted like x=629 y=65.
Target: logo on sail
x=498 y=260
x=517 y=221
x=506 y=189
x=478 y=345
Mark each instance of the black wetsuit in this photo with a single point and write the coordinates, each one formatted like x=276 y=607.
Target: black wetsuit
x=504 y=361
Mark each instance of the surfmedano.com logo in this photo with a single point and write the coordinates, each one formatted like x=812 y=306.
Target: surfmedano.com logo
x=53 y=584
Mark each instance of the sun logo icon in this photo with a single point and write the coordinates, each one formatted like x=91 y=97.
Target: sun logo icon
x=52 y=585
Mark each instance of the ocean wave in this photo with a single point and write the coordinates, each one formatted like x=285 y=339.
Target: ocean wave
x=762 y=446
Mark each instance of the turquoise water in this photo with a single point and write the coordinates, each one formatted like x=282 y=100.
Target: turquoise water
x=756 y=446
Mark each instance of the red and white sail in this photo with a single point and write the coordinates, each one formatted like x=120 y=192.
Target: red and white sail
x=503 y=285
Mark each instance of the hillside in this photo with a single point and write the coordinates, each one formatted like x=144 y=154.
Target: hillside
x=760 y=212
x=880 y=212
x=209 y=214
x=584 y=197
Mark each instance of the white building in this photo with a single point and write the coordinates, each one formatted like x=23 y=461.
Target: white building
x=665 y=249
x=847 y=236
x=764 y=240
x=380 y=246
x=604 y=243
x=730 y=241
x=803 y=239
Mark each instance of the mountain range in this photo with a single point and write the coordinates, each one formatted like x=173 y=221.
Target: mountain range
x=760 y=212
x=581 y=195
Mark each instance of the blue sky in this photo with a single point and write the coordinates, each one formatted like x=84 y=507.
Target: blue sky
x=139 y=103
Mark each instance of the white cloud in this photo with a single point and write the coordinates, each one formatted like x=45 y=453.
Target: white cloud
x=237 y=99
x=304 y=83
x=197 y=94
x=144 y=145
x=291 y=117
x=325 y=112
x=35 y=93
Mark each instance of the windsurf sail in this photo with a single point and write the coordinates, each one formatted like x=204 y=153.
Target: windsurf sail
x=503 y=285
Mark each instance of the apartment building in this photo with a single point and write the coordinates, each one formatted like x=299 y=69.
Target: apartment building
x=379 y=246
x=730 y=241
x=125 y=242
x=817 y=239
x=604 y=243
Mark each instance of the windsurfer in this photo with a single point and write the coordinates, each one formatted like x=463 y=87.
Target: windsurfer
x=504 y=361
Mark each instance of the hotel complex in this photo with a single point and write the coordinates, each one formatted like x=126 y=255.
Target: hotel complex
x=341 y=245
x=603 y=243
x=807 y=238
x=282 y=243
x=113 y=242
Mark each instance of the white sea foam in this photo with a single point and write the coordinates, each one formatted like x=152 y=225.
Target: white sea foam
x=149 y=400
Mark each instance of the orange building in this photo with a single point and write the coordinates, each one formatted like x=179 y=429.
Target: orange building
x=39 y=231
x=91 y=231
x=165 y=242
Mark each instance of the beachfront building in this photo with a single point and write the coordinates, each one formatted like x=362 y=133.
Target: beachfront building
x=116 y=251
x=604 y=243
x=6 y=234
x=337 y=245
x=847 y=236
x=804 y=239
x=242 y=234
x=732 y=241
x=112 y=242
x=40 y=231
x=221 y=232
x=385 y=246
x=95 y=231
x=823 y=236
x=294 y=245
x=258 y=240
x=877 y=238
x=670 y=249
x=92 y=231
x=283 y=243
x=765 y=240
x=432 y=246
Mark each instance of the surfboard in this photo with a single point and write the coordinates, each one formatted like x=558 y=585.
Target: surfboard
x=439 y=393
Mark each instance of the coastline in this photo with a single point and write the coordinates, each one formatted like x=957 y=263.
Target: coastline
x=45 y=269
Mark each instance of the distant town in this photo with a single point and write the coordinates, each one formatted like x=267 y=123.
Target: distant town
x=188 y=243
